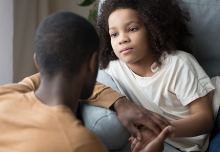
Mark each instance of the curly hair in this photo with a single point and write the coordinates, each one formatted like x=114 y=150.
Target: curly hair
x=165 y=21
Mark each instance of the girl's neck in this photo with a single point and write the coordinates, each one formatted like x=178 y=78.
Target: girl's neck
x=143 y=68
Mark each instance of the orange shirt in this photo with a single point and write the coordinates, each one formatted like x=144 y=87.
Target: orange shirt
x=102 y=96
x=28 y=125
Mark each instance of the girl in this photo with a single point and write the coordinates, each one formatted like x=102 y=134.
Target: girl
x=140 y=48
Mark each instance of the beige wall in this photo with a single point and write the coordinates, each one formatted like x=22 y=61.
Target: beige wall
x=27 y=16
x=31 y=13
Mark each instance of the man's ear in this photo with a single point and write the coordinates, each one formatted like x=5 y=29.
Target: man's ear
x=93 y=62
x=35 y=61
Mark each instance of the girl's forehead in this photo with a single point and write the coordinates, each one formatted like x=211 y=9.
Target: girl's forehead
x=122 y=16
x=124 y=12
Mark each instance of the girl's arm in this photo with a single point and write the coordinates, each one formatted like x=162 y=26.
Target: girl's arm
x=200 y=122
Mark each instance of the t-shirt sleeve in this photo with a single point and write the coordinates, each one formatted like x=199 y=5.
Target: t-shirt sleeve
x=103 y=96
x=190 y=80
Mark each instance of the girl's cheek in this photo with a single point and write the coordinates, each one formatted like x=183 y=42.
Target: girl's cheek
x=117 y=54
x=112 y=44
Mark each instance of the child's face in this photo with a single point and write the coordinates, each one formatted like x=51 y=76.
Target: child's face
x=128 y=36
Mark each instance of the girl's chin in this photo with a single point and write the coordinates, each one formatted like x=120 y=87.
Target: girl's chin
x=126 y=59
x=128 y=62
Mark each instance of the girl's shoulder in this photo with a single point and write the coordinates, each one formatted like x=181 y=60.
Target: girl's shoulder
x=184 y=60
x=184 y=56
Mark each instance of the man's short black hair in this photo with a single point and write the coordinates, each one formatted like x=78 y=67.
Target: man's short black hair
x=64 y=40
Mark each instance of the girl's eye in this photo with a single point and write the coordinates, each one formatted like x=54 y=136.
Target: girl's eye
x=113 y=35
x=133 y=29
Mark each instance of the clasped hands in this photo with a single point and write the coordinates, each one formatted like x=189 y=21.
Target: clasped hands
x=154 y=128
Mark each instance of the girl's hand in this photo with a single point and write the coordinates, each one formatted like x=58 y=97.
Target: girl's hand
x=152 y=142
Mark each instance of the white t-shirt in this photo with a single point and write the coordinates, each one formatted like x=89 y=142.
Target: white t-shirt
x=179 y=81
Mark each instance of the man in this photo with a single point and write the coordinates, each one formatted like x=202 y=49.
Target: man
x=44 y=121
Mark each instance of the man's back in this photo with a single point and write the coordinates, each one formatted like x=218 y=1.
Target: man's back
x=28 y=125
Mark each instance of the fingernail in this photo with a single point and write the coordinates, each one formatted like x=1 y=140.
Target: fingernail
x=138 y=138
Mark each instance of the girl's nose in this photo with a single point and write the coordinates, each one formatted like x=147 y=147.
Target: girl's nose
x=124 y=39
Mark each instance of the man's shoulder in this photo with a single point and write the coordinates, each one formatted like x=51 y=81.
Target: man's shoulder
x=9 y=96
x=28 y=84
x=31 y=82
x=13 y=88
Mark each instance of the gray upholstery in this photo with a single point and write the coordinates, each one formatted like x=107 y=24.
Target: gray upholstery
x=104 y=122
x=205 y=25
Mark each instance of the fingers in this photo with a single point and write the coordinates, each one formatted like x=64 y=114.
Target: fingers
x=133 y=144
x=161 y=120
x=155 y=122
x=152 y=125
x=165 y=133
x=131 y=139
x=148 y=119
x=135 y=115
x=137 y=146
x=134 y=132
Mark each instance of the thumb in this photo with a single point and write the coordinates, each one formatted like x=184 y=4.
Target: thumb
x=134 y=132
x=165 y=133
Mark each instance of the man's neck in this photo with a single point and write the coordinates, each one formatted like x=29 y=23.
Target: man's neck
x=59 y=91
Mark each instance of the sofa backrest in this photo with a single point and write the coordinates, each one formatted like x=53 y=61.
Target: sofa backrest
x=205 y=26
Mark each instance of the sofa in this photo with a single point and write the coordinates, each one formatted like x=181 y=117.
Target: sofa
x=205 y=26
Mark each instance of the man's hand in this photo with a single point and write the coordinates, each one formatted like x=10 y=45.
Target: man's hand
x=152 y=143
x=132 y=115
x=147 y=136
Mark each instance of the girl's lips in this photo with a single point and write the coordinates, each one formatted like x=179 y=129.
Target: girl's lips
x=126 y=50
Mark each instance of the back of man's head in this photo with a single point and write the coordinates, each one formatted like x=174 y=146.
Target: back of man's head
x=63 y=42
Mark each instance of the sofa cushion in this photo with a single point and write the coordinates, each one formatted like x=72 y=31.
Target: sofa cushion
x=104 y=122
x=205 y=26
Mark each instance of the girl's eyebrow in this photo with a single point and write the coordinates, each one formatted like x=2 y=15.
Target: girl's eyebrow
x=128 y=23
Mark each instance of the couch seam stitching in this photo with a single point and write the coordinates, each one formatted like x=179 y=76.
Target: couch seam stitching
x=101 y=118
